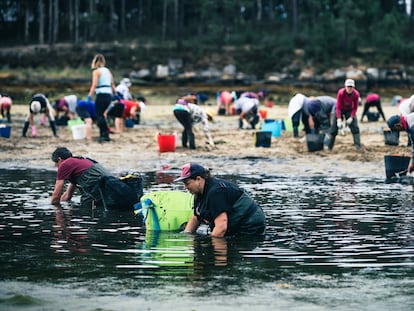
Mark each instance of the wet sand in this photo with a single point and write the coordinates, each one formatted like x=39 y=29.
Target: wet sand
x=235 y=153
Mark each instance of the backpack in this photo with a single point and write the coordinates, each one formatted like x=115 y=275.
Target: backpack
x=117 y=194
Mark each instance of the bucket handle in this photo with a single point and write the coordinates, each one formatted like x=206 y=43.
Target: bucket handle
x=397 y=174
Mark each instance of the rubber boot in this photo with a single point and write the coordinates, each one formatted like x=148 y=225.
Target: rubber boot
x=104 y=137
x=295 y=132
x=43 y=120
x=357 y=141
x=184 y=139
x=191 y=140
x=34 y=131
x=25 y=128
x=54 y=128
x=331 y=142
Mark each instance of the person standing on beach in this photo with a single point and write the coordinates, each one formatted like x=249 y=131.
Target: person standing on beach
x=373 y=100
x=247 y=107
x=67 y=105
x=86 y=111
x=320 y=110
x=187 y=114
x=39 y=104
x=103 y=87
x=122 y=89
x=297 y=113
x=5 y=105
x=347 y=101
x=226 y=208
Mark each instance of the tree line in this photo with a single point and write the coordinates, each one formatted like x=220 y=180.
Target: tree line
x=327 y=30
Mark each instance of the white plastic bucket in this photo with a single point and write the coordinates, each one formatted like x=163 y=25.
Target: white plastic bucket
x=79 y=131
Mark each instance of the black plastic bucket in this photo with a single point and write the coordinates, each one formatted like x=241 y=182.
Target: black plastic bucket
x=396 y=165
x=262 y=139
x=373 y=116
x=391 y=138
x=315 y=142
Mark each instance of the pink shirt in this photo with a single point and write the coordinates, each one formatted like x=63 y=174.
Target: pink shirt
x=347 y=102
x=372 y=98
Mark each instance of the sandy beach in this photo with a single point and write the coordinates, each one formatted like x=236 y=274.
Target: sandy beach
x=137 y=149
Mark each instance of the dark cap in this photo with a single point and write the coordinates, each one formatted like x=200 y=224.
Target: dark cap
x=393 y=121
x=190 y=170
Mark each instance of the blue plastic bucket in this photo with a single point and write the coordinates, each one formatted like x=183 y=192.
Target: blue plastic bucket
x=5 y=131
x=275 y=127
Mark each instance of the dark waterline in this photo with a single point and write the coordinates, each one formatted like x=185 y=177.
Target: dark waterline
x=331 y=243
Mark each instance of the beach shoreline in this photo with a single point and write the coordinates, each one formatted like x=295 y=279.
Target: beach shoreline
x=235 y=152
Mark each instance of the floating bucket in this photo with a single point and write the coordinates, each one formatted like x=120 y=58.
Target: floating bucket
x=396 y=165
x=315 y=142
x=275 y=127
x=77 y=121
x=79 y=131
x=166 y=210
x=262 y=139
x=391 y=138
x=263 y=113
x=166 y=143
x=5 y=131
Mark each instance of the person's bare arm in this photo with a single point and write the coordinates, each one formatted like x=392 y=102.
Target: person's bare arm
x=192 y=225
x=57 y=192
x=220 y=225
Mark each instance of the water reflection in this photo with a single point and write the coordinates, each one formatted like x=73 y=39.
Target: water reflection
x=322 y=233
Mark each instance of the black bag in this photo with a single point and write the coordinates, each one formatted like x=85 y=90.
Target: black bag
x=135 y=181
x=117 y=194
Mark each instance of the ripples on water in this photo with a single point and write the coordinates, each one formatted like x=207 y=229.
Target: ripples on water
x=331 y=243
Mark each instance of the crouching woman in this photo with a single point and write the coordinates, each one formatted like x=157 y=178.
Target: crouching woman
x=226 y=208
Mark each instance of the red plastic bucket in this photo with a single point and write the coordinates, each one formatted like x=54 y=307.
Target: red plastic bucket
x=263 y=113
x=166 y=143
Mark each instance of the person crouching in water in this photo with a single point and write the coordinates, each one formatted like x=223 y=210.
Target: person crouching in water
x=404 y=123
x=82 y=173
x=39 y=104
x=226 y=208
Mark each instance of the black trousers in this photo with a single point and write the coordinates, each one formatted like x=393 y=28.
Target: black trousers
x=184 y=117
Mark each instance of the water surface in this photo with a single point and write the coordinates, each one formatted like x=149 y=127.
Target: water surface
x=331 y=243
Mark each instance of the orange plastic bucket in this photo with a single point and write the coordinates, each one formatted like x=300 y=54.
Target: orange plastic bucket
x=166 y=143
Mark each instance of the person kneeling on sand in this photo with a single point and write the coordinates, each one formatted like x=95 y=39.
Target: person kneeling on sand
x=226 y=208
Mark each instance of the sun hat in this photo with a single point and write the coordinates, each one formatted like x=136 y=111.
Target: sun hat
x=295 y=104
x=210 y=114
x=349 y=82
x=393 y=121
x=190 y=170
x=35 y=106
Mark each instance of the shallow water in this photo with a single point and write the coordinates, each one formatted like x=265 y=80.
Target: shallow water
x=331 y=243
